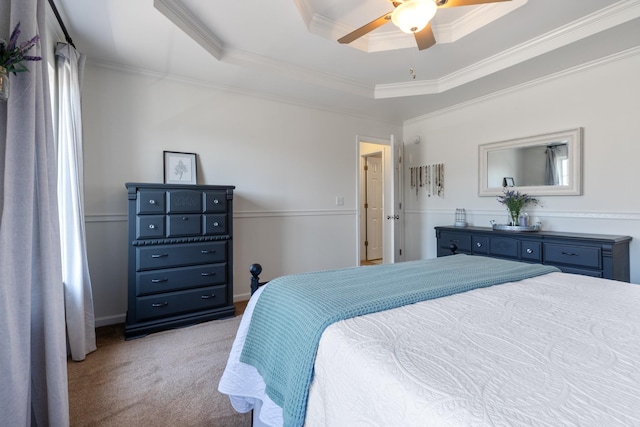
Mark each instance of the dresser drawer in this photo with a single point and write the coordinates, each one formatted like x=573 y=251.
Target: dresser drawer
x=150 y=202
x=177 y=255
x=149 y=226
x=504 y=247
x=174 y=279
x=582 y=256
x=184 y=225
x=184 y=201
x=530 y=251
x=215 y=201
x=173 y=303
x=463 y=242
x=215 y=224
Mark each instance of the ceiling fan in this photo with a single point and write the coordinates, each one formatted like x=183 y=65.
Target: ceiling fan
x=412 y=16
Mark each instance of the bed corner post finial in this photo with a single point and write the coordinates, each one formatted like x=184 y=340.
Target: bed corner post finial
x=453 y=248
x=255 y=270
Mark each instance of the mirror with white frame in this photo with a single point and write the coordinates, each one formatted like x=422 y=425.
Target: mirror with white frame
x=541 y=165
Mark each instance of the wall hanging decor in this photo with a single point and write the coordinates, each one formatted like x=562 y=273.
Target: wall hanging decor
x=429 y=178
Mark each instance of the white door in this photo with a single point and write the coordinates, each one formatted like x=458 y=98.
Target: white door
x=393 y=213
x=374 y=207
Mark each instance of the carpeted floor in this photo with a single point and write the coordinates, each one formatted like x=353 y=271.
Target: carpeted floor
x=168 y=378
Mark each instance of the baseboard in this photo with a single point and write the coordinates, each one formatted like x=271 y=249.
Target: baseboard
x=110 y=320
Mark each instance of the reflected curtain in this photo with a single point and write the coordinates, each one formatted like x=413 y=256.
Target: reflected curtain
x=33 y=351
x=552 y=175
x=75 y=268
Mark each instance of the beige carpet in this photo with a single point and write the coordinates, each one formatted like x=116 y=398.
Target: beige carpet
x=168 y=378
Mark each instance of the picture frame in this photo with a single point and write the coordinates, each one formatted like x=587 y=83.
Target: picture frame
x=180 y=168
x=508 y=181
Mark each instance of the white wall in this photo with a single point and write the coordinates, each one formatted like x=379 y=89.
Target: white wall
x=603 y=99
x=288 y=163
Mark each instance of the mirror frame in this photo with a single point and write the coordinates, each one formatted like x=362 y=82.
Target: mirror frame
x=574 y=147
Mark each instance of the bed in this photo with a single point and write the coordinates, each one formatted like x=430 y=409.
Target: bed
x=539 y=347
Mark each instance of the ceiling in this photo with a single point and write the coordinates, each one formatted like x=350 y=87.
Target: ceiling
x=287 y=49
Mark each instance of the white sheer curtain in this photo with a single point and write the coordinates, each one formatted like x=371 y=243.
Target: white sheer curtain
x=75 y=269
x=33 y=356
x=552 y=176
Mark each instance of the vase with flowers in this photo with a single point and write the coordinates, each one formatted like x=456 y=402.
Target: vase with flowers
x=515 y=202
x=12 y=56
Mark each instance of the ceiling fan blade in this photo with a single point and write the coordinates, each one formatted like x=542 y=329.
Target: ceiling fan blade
x=376 y=23
x=456 y=3
x=425 y=38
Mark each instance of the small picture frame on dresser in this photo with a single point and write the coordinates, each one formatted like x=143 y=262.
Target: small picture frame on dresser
x=180 y=168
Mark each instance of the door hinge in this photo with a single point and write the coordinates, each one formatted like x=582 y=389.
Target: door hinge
x=366 y=243
x=401 y=252
x=366 y=205
x=366 y=167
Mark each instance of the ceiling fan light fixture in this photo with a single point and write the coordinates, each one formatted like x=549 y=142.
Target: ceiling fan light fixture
x=413 y=15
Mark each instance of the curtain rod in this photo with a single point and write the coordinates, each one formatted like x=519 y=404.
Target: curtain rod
x=64 y=29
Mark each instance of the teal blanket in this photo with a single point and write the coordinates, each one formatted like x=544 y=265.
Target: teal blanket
x=293 y=312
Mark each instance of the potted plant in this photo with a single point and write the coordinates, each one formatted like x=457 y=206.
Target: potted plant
x=11 y=57
x=515 y=202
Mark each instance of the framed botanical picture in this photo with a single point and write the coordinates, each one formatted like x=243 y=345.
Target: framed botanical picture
x=180 y=168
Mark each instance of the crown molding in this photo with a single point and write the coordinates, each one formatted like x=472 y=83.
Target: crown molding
x=619 y=56
x=607 y=18
x=192 y=26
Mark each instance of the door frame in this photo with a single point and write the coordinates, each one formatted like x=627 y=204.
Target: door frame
x=387 y=165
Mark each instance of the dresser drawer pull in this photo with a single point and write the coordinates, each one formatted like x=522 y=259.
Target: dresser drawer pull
x=215 y=201
x=159 y=255
x=208 y=251
x=208 y=296
x=570 y=253
x=529 y=250
x=151 y=226
x=152 y=202
x=184 y=218
x=164 y=279
x=479 y=244
x=205 y=274
x=215 y=224
x=159 y=304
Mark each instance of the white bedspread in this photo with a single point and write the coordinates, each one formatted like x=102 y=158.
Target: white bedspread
x=554 y=350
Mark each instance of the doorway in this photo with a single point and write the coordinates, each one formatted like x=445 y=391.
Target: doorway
x=391 y=219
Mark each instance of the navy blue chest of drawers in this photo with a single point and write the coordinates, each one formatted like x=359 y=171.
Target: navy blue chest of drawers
x=180 y=256
x=596 y=255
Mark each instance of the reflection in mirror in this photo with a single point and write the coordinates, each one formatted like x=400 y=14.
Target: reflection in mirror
x=547 y=164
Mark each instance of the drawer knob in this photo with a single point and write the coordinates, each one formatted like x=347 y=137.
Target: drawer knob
x=207 y=296
x=152 y=226
x=152 y=202
x=215 y=201
x=529 y=250
x=208 y=251
x=205 y=274
x=215 y=224
x=159 y=255
x=569 y=253
x=160 y=304
x=184 y=218
x=164 y=279
x=479 y=244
